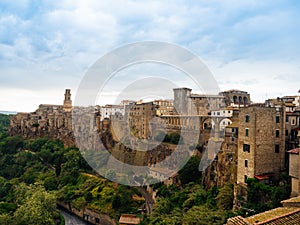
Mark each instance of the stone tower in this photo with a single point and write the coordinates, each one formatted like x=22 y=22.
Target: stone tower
x=182 y=100
x=261 y=147
x=68 y=101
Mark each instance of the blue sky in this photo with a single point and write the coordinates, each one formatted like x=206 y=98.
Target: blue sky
x=47 y=46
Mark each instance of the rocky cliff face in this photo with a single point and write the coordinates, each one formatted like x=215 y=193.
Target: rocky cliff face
x=223 y=169
x=53 y=122
x=49 y=121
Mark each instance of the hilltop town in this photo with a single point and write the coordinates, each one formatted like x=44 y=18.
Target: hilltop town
x=254 y=140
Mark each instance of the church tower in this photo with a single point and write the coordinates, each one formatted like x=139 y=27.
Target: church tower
x=68 y=101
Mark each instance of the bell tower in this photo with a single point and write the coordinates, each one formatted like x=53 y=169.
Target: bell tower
x=67 y=102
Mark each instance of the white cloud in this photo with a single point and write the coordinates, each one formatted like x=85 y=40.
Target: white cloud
x=49 y=45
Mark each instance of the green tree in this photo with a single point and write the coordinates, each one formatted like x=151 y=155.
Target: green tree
x=201 y=215
x=190 y=171
x=37 y=206
x=225 y=197
x=4 y=123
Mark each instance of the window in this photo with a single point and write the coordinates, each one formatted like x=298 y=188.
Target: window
x=277 y=119
x=286 y=132
x=277 y=133
x=246 y=163
x=287 y=119
x=232 y=130
x=245 y=178
x=246 y=148
x=247 y=132
x=235 y=99
x=277 y=148
x=247 y=118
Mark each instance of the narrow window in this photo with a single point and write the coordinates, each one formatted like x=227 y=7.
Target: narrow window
x=247 y=132
x=246 y=163
x=245 y=178
x=277 y=148
x=247 y=118
x=277 y=119
x=277 y=133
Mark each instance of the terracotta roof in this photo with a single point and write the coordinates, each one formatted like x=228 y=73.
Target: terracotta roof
x=289 y=214
x=129 y=219
x=281 y=215
x=294 y=151
x=238 y=220
x=264 y=176
x=291 y=202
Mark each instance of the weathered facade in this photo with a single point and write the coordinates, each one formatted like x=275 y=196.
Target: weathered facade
x=140 y=116
x=261 y=143
x=50 y=121
x=236 y=98
x=294 y=171
x=164 y=107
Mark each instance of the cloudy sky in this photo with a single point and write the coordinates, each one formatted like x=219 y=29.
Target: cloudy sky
x=47 y=46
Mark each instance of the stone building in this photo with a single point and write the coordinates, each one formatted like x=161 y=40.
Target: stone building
x=187 y=103
x=261 y=143
x=292 y=119
x=109 y=111
x=294 y=171
x=164 y=107
x=236 y=98
x=140 y=116
x=51 y=121
x=67 y=106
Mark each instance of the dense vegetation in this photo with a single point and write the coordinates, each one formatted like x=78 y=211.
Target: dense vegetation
x=263 y=197
x=34 y=174
x=62 y=172
x=4 y=122
x=190 y=203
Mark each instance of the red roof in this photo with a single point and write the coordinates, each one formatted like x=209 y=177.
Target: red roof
x=294 y=151
x=264 y=176
x=129 y=219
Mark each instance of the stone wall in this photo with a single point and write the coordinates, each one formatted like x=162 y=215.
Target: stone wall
x=89 y=215
x=49 y=121
x=259 y=132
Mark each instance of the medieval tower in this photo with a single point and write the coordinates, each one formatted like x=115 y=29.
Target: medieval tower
x=67 y=101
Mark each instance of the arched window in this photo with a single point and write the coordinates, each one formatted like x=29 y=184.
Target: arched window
x=240 y=100
x=245 y=101
x=235 y=100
